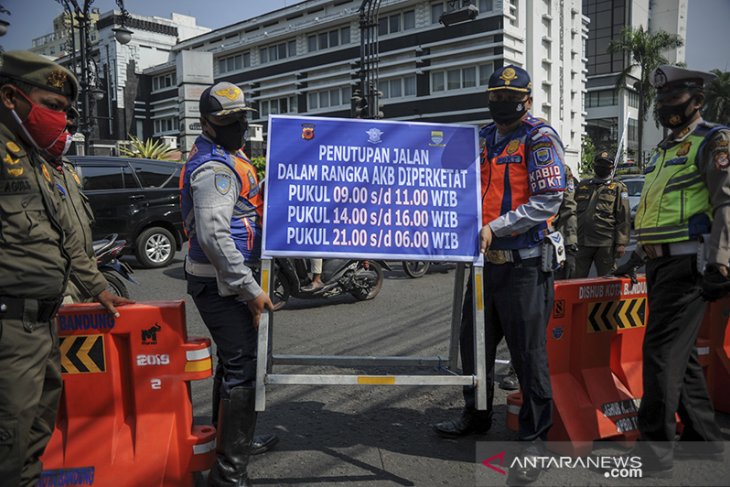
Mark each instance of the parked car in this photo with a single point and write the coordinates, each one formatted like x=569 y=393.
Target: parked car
x=634 y=185
x=139 y=200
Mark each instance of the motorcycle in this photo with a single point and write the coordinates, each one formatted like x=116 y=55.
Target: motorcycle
x=107 y=252
x=416 y=268
x=360 y=278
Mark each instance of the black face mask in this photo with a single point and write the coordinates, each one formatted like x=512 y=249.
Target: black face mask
x=231 y=137
x=602 y=172
x=675 y=116
x=507 y=112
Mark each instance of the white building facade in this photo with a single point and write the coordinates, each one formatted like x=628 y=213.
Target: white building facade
x=303 y=59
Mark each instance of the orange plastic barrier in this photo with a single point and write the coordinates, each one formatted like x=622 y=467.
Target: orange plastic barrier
x=126 y=415
x=594 y=340
x=713 y=347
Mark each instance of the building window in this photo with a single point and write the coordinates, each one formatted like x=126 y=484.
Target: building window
x=436 y=10
x=164 y=125
x=607 y=20
x=398 y=87
x=234 y=63
x=164 y=82
x=287 y=104
x=459 y=78
x=602 y=98
x=392 y=24
x=328 y=39
x=633 y=99
x=333 y=97
x=277 y=52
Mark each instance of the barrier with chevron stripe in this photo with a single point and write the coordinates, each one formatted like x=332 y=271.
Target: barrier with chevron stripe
x=82 y=354
x=616 y=315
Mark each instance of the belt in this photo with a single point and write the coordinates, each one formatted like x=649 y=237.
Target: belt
x=505 y=256
x=200 y=269
x=29 y=309
x=654 y=251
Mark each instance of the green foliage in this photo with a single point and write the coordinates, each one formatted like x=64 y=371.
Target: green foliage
x=260 y=164
x=587 y=153
x=717 y=99
x=644 y=52
x=149 y=149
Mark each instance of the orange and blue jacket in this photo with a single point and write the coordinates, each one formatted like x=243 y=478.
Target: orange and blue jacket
x=247 y=215
x=524 y=163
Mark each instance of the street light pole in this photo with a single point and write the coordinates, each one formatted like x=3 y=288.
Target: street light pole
x=87 y=71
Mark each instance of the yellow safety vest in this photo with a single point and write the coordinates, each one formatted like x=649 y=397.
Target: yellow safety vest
x=675 y=204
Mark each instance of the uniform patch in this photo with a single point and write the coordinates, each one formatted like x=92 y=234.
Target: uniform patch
x=15 y=186
x=218 y=151
x=721 y=159
x=513 y=146
x=10 y=160
x=543 y=157
x=611 y=185
x=16 y=172
x=570 y=187
x=75 y=176
x=13 y=147
x=46 y=174
x=684 y=149
x=222 y=183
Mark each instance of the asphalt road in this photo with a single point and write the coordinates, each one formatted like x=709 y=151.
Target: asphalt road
x=359 y=435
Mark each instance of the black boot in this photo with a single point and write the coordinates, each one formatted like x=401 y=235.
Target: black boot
x=470 y=421
x=261 y=443
x=237 y=419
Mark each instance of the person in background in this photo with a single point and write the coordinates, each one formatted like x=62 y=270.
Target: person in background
x=604 y=219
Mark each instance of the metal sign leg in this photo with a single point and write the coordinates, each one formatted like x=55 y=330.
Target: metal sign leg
x=479 y=340
x=263 y=342
x=456 y=317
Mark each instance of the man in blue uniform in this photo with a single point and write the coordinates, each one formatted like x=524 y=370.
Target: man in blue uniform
x=222 y=208
x=522 y=188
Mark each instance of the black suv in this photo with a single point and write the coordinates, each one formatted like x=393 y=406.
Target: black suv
x=138 y=199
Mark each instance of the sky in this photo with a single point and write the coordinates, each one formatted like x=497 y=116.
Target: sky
x=707 y=21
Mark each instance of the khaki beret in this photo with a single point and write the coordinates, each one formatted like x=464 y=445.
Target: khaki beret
x=39 y=72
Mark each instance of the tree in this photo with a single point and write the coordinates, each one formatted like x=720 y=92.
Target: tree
x=587 y=154
x=644 y=51
x=150 y=149
x=717 y=99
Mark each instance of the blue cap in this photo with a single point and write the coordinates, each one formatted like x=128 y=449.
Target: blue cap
x=510 y=77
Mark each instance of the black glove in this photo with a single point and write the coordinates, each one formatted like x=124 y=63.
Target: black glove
x=714 y=284
x=570 y=252
x=630 y=267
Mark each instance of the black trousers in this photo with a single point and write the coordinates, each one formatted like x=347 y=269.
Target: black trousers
x=231 y=326
x=672 y=375
x=518 y=301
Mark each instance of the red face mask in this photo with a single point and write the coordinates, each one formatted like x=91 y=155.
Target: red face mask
x=43 y=126
x=60 y=147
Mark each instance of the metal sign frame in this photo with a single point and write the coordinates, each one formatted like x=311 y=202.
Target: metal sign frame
x=265 y=376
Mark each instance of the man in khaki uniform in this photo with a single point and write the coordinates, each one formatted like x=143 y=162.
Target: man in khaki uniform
x=79 y=210
x=39 y=247
x=566 y=222
x=604 y=219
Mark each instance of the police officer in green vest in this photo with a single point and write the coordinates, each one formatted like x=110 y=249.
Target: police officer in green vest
x=683 y=230
x=604 y=219
x=39 y=247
